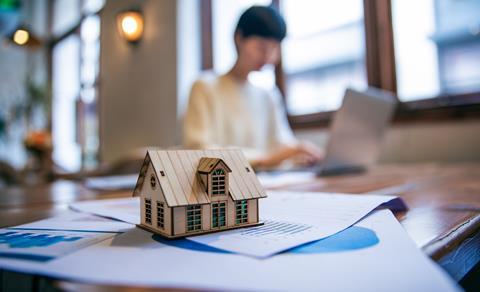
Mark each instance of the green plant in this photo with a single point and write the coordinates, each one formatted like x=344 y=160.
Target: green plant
x=37 y=97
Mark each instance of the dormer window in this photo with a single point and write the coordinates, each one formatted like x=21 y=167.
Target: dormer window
x=214 y=175
x=218 y=182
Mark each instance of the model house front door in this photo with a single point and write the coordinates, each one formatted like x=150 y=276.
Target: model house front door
x=219 y=218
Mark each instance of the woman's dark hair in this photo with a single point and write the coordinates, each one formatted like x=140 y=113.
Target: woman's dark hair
x=263 y=21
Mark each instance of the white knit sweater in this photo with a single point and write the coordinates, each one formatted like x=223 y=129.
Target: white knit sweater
x=223 y=112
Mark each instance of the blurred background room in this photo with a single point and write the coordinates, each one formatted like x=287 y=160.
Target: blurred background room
x=87 y=85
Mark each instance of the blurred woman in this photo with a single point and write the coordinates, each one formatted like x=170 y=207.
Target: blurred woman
x=229 y=111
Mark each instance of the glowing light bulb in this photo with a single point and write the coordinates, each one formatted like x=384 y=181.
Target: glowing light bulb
x=21 y=37
x=129 y=25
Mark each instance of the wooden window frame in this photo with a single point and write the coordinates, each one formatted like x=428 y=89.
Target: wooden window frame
x=381 y=72
x=217 y=207
x=241 y=212
x=218 y=182
x=51 y=42
x=160 y=215
x=194 y=211
x=148 y=211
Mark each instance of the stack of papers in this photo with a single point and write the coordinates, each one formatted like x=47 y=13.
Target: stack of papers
x=51 y=238
x=290 y=218
x=374 y=254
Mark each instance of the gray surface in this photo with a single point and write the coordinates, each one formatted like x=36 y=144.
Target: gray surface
x=358 y=129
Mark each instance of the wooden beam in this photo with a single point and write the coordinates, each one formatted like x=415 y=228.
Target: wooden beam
x=380 y=57
x=279 y=73
x=206 y=34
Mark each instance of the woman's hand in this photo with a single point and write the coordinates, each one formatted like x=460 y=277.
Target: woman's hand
x=302 y=153
x=307 y=154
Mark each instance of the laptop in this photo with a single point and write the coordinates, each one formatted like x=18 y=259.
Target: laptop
x=357 y=132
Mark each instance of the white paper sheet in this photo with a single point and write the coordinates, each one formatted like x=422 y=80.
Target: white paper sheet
x=125 y=209
x=291 y=219
x=51 y=238
x=75 y=221
x=374 y=255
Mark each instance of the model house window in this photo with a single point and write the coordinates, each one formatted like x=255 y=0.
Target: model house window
x=148 y=211
x=241 y=212
x=160 y=215
x=194 y=218
x=218 y=214
x=218 y=182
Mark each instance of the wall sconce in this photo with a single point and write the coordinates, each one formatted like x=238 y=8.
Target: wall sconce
x=130 y=25
x=21 y=37
x=24 y=38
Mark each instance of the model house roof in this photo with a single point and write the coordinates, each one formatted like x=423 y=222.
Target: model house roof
x=177 y=173
x=207 y=164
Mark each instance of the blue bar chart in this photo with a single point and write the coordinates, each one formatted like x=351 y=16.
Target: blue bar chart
x=45 y=245
x=15 y=239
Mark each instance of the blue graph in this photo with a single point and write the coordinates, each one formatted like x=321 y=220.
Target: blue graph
x=28 y=240
x=352 y=238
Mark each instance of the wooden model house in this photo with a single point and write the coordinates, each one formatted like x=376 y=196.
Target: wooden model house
x=188 y=192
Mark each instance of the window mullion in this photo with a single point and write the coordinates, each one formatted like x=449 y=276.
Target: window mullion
x=380 y=52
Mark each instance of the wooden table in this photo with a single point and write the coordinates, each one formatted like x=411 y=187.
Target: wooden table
x=443 y=217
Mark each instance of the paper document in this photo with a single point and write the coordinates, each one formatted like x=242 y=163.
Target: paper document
x=43 y=245
x=125 y=209
x=48 y=239
x=373 y=255
x=51 y=238
x=75 y=221
x=290 y=218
